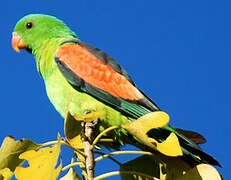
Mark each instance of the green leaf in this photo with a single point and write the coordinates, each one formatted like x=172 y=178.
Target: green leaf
x=71 y=175
x=41 y=164
x=11 y=149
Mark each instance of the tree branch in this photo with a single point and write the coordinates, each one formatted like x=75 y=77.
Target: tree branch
x=89 y=161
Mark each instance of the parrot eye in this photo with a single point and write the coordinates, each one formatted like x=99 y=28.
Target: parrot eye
x=29 y=25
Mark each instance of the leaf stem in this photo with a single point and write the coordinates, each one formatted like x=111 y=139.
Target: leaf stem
x=102 y=133
x=106 y=140
x=121 y=152
x=124 y=172
x=71 y=165
x=113 y=159
x=50 y=143
x=63 y=142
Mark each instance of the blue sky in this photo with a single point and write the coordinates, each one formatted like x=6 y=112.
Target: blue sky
x=177 y=52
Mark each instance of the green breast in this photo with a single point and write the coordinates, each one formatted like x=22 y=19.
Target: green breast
x=62 y=95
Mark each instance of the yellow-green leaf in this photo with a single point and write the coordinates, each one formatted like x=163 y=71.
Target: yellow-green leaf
x=172 y=167
x=169 y=147
x=6 y=174
x=152 y=120
x=42 y=164
x=202 y=172
x=71 y=175
x=142 y=165
x=167 y=168
x=158 y=119
x=177 y=168
x=157 y=166
x=11 y=149
x=72 y=129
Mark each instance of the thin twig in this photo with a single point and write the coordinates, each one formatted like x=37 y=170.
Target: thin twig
x=106 y=175
x=103 y=154
x=106 y=140
x=71 y=165
x=102 y=133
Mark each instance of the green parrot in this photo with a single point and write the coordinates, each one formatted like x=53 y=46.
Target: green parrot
x=84 y=79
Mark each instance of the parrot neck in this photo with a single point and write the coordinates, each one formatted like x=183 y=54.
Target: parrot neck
x=44 y=54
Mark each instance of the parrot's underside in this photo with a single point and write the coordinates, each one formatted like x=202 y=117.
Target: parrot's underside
x=80 y=78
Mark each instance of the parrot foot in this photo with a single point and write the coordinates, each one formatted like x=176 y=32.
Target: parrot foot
x=89 y=116
x=92 y=123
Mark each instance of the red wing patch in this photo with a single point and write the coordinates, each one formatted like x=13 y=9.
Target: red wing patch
x=86 y=66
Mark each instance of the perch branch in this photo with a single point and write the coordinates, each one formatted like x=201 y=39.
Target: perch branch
x=87 y=142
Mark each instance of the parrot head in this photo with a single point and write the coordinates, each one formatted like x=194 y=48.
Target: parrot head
x=32 y=30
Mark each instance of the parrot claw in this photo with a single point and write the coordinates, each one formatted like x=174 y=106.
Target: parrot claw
x=94 y=122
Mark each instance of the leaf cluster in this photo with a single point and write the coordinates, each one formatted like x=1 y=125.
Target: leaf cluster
x=44 y=163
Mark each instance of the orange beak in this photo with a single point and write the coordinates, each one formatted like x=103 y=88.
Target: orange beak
x=17 y=42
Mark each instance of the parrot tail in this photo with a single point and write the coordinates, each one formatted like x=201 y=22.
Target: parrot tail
x=189 y=141
x=193 y=136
